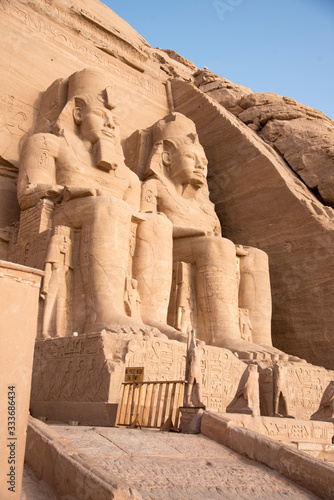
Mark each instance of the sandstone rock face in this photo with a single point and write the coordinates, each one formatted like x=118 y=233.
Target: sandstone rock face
x=302 y=135
x=266 y=201
x=307 y=144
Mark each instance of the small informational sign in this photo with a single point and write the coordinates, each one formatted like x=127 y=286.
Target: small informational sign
x=134 y=374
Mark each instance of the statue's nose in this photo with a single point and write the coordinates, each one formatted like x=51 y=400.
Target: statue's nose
x=200 y=165
x=110 y=123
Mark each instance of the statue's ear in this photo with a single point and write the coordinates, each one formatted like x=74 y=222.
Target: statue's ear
x=77 y=115
x=168 y=146
x=166 y=160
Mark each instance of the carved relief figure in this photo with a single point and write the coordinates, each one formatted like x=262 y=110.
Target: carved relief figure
x=175 y=184
x=184 y=298
x=247 y=398
x=132 y=299
x=326 y=407
x=245 y=324
x=193 y=389
x=54 y=290
x=80 y=167
x=281 y=390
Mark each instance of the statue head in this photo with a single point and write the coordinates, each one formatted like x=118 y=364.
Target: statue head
x=177 y=153
x=95 y=120
x=185 y=161
x=89 y=111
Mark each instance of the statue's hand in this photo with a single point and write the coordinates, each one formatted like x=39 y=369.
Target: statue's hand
x=44 y=293
x=240 y=250
x=72 y=192
x=54 y=191
x=188 y=232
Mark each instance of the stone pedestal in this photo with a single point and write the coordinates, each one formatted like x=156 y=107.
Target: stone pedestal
x=80 y=377
x=190 y=422
x=19 y=292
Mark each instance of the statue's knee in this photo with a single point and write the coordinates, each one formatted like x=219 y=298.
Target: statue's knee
x=213 y=249
x=256 y=259
x=156 y=225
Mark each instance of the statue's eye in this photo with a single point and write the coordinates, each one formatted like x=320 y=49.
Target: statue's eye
x=204 y=161
x=99 y=112
x=116 y=122
x=190 y=155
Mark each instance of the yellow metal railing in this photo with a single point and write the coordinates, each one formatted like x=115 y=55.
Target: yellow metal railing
x=151 y=404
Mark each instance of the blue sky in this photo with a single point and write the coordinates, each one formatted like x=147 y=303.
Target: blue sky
x=285 y=46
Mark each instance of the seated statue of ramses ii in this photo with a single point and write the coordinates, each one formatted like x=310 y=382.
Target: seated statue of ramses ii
x=224 y=280
x=79 y=167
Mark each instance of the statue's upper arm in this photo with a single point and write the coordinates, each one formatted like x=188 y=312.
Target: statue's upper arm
x=38 y=158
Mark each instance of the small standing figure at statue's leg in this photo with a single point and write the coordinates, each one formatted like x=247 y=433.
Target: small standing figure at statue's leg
x=193 y=388
x=54 y=290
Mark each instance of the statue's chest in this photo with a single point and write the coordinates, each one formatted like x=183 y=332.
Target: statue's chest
x=75 y=168
x=188 y=213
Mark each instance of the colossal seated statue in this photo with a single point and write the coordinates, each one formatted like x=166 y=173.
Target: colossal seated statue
x=226 y=279
x=79 y=167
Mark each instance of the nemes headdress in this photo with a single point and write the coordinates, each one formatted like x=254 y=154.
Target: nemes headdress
x=88 y=85
x=91 y=82
x=173 y=130
x=175 y=125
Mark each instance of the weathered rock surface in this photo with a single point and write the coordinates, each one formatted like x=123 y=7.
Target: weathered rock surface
x=302 y=135
x=161 y=465
x=261 y=199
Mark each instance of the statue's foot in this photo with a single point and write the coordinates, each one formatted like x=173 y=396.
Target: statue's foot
x=248 y=351
x=282 y=355
x=169 y=331
x=122 y=324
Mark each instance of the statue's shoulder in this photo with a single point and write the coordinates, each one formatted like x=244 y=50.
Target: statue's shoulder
x=49 y=143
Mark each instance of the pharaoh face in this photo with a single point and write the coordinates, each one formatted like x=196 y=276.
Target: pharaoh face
x=97 y=122
x=64 y=245
x=188 y=165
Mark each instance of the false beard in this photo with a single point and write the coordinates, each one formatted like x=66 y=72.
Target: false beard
x=106 y=154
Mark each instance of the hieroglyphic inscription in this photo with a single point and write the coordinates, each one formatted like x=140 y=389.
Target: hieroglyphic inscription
x=297 y=431
x=63 y=36
x=71 y=369
x=15 y=120
x=306 y=386
x=33 y=236
x=162 y=360
x=224 y=371
x=221 y=370
x=285 y=429
x=34 y=221
x=85 y=22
